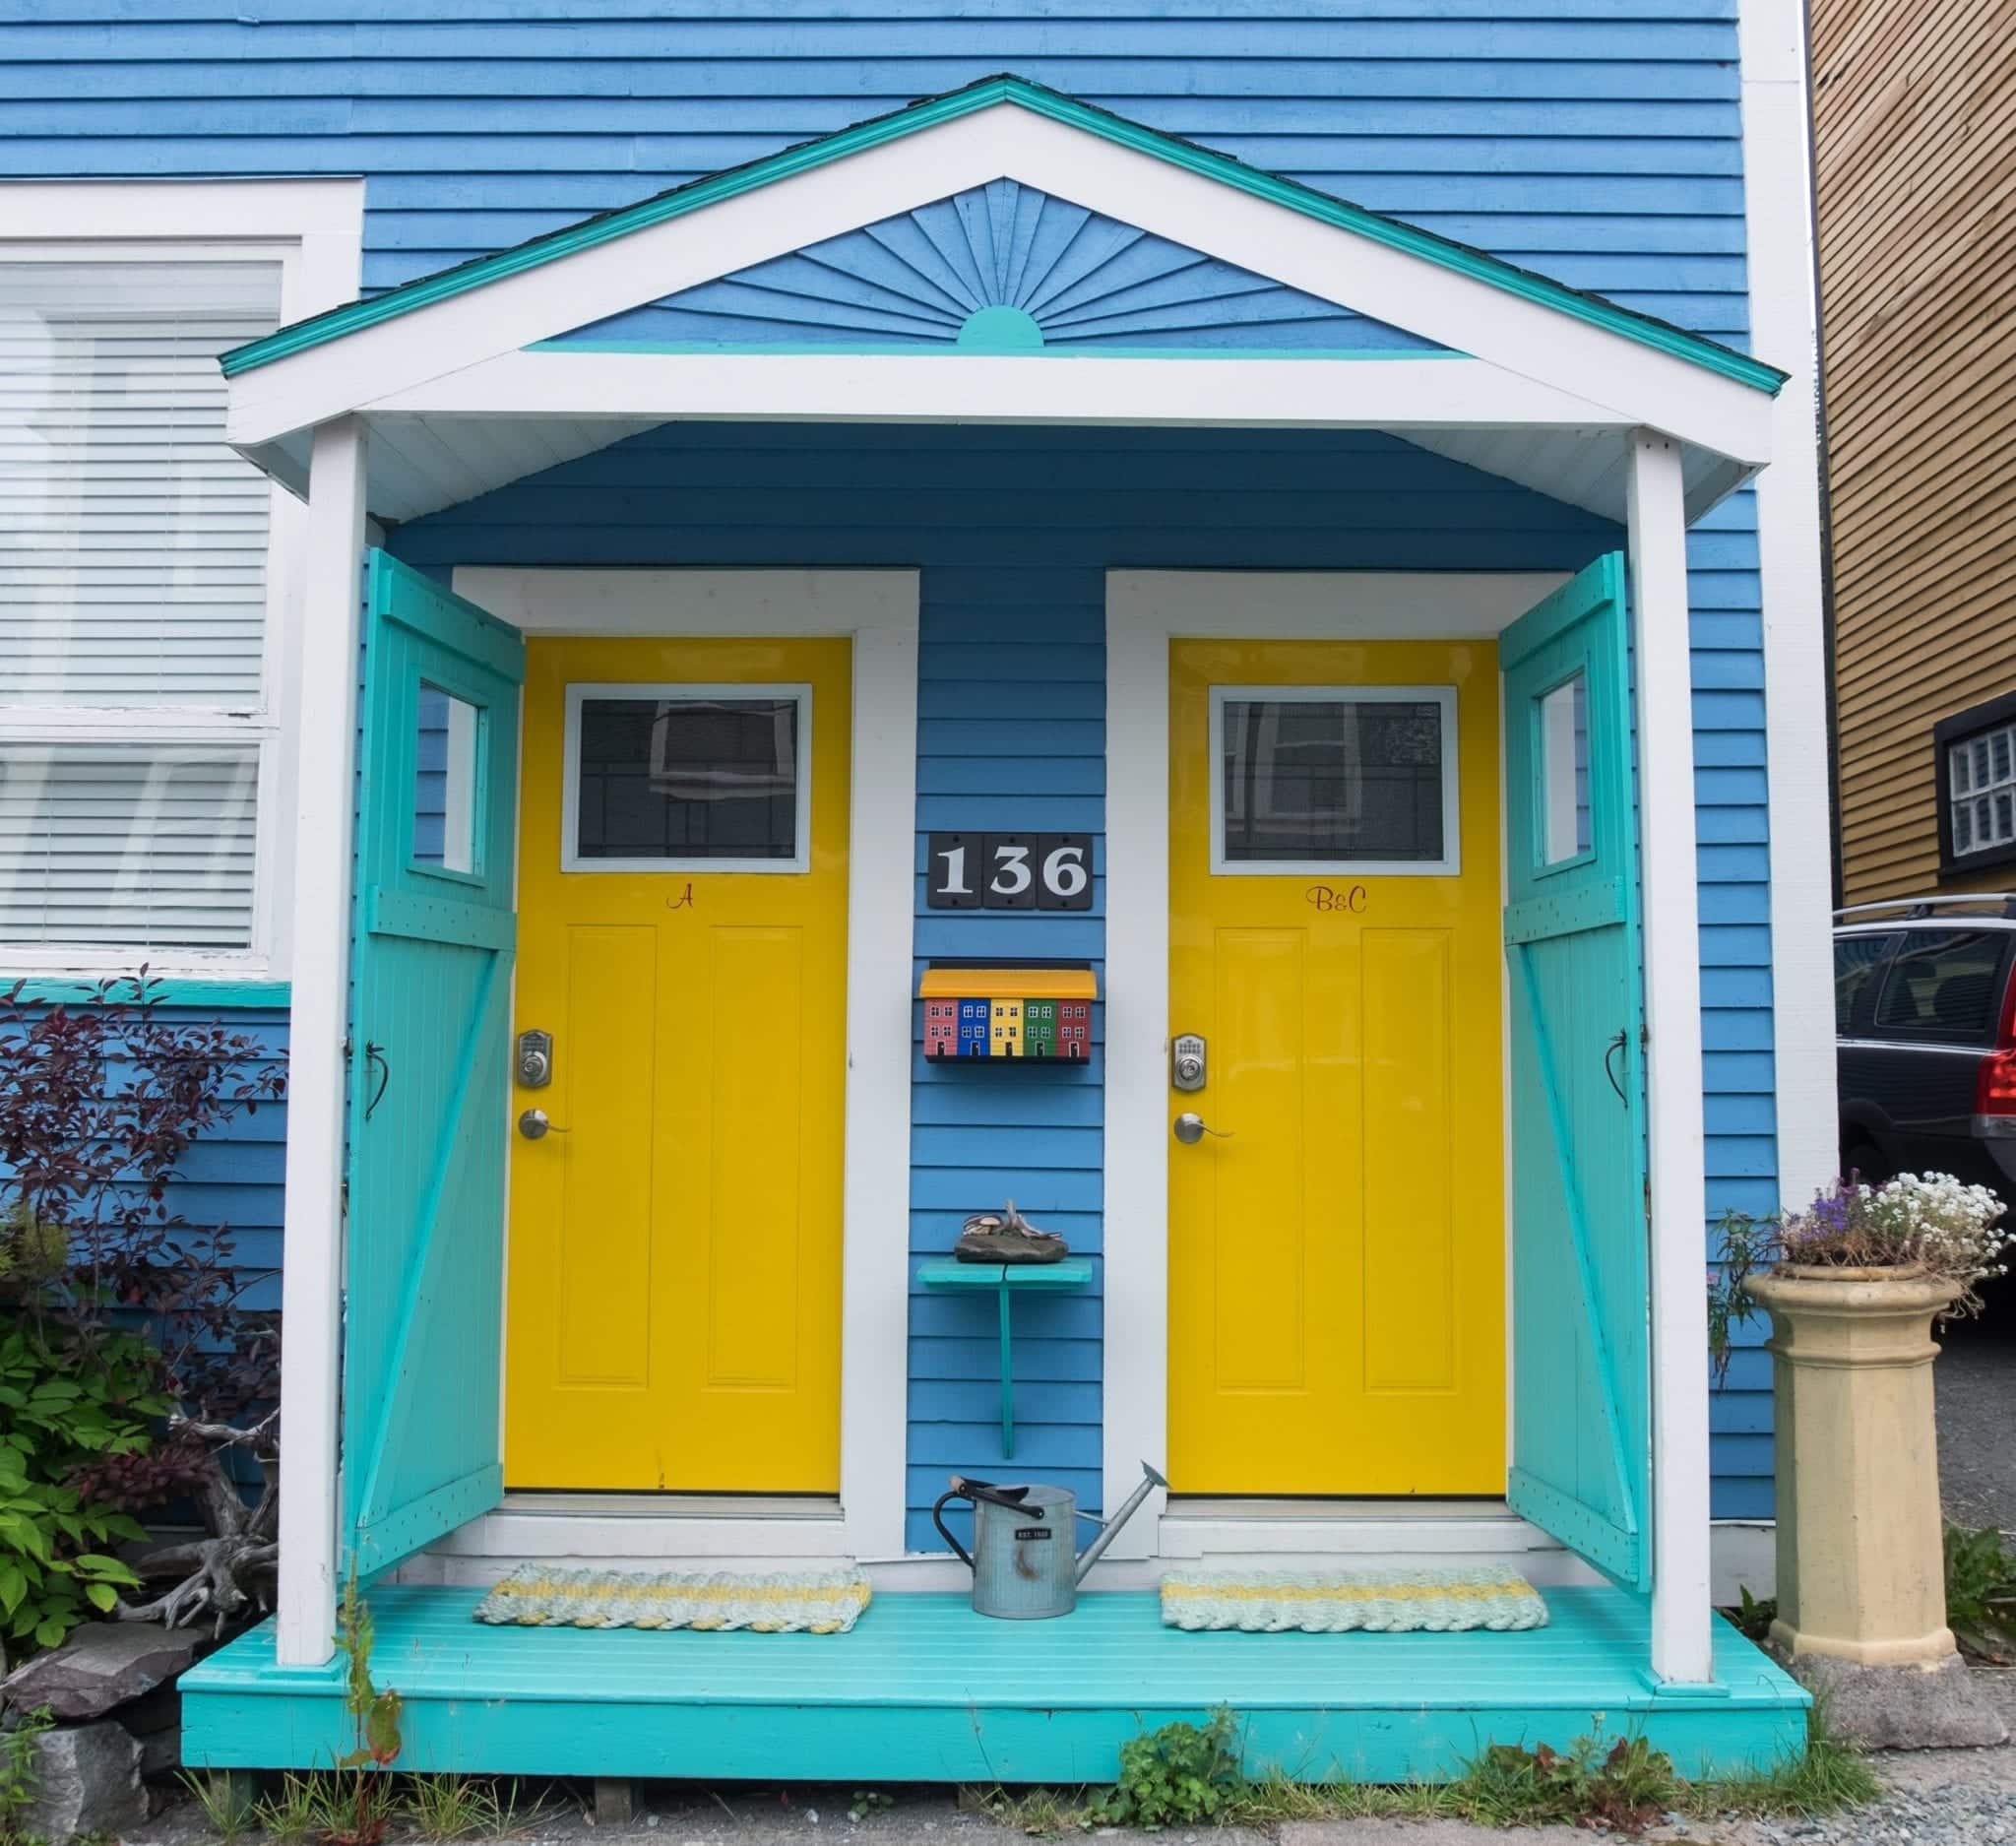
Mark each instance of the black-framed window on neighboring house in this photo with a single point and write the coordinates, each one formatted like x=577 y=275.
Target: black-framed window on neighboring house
x=1975 y=774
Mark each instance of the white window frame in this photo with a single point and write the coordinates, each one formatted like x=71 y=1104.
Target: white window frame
x=1957 y=766
x=1450 y=864
x=313 y=229
x=674 y=692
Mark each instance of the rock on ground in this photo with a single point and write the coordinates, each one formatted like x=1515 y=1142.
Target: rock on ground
x=86 y=1780
x=101 y=1665
x=1906 y=1708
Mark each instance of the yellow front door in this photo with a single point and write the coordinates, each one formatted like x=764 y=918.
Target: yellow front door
x=1337 y=1235
x=673 y=1318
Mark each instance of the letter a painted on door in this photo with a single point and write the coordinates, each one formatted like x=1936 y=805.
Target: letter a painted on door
x=432 y=942
x=1581 y=1419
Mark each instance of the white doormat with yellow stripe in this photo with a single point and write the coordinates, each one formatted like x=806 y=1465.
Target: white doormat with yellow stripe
x=792 y=1602
x=1384 y=1602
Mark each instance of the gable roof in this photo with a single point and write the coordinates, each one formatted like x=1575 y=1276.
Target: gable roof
x=990 y=92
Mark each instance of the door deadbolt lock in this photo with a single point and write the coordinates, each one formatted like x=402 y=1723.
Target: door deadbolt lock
x=535 y=1059
x=1186 y=1063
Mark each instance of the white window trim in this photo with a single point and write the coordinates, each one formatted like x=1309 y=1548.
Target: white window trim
x=570 y=780
x=1443 y=699
x=1955 y=765
x=314 y=231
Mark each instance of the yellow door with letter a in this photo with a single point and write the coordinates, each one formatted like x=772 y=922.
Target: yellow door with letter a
x=1336 y=1224
x=674 y=1319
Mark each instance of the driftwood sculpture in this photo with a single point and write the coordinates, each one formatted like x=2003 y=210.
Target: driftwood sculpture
x=230 y=1573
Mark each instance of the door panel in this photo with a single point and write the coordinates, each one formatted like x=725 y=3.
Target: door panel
x=675 y=1277
x=430 y=983
x=1336 y=1293
x=1582 y=1389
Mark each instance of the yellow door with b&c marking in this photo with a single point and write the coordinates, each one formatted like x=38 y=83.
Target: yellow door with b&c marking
x=674 y=1264
x=1337 y=1231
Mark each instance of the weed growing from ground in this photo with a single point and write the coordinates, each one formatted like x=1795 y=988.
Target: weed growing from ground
x=17 y=1775
x=227 y=1808
x=1181 y=1775
x=1178 y=1774
x=455 y=1806
x=1980 y=1592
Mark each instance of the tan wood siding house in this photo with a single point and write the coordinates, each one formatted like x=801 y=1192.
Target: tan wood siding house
x=1915 y=104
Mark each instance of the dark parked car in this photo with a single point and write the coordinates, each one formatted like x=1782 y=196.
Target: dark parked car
x=1926 y=1042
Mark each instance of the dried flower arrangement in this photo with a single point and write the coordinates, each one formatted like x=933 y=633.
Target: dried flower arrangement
x=1924 y=1223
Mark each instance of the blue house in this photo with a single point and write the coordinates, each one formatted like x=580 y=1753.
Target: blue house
x=1169 y=614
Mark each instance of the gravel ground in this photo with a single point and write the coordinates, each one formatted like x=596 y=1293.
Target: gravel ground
x=1975 y=1383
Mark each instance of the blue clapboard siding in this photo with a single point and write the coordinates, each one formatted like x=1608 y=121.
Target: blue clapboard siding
x=1595 y=140
x=234 y=1180
x=1014 y=531
x=1055 y=273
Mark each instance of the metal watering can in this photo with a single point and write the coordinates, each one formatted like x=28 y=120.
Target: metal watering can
x=1022 y=1560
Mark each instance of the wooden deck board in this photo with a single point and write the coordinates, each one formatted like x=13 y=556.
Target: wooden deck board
x=924 y=1691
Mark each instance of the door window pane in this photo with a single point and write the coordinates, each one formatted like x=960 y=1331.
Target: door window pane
x=137 y=539
x=1943 y=985
x=445 y=781
x=1331 y=777
x=144 y=846
x=1564 y=771
x=1858 y=961
x=689 y=775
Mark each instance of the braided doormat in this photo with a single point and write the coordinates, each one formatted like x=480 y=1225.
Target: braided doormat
x=796 y=1602
x=1385 y=1602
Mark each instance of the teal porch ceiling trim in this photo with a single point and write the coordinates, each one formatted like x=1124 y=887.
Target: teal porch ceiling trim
x=987 y=94
x=193 y=991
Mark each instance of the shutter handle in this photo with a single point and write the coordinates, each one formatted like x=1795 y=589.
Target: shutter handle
x=1615 y=1046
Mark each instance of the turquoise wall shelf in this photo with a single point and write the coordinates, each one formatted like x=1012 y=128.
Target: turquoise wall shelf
x=1006 y=1280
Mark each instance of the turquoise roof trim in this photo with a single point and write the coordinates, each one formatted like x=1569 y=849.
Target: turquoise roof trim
x=301 y=335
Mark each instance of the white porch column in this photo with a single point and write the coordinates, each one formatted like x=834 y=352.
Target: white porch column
x=311 y=1293
x=1681 y=1630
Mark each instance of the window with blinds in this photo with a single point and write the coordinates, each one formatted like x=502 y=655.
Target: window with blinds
x=133 y=598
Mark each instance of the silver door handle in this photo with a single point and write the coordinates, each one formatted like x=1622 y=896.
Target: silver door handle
x=535 y=1126
x=1190 y=1127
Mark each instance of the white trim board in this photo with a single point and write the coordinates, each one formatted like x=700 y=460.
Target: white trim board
x=1145 y=610
x=1784 y=320
x=1525 y=337
x=877 y=609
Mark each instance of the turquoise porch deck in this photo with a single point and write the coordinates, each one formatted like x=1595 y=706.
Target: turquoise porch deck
x=924 y=1691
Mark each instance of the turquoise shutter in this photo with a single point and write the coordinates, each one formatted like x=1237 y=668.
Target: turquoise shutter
x=1580 y=1419
x=430 y=992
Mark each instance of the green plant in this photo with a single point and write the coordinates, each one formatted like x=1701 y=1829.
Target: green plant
x=869 y=1801
x=1754 y=1614
x=455 y=1806
x=1624 y=1788
x=1826 y=1777
x=225 y=1800
x=360 y=1800
x=288 y=1817
x=1178 y=1774
x=65 y=1403
x=18 y=1774
x=1980 y=1592
x=1039 y=1813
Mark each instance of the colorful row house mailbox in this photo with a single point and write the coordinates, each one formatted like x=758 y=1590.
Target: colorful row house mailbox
x=1040 y=1013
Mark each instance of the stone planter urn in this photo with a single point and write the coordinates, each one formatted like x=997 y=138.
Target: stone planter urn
x=1862 y=1588
x=1860 y=1571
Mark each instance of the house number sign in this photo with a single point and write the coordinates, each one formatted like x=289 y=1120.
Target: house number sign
x=1010 y=872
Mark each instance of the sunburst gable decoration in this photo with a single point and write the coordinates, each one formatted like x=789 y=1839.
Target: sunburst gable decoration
x=1001 y=268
